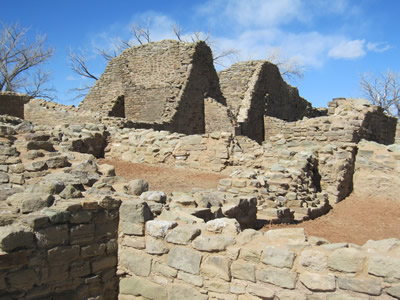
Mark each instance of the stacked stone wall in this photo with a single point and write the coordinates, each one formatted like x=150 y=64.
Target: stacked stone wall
x=215 y=260
x=163 y=86
x=43 y=112
x=12 y=104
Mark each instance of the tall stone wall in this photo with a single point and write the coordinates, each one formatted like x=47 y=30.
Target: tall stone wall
x=162 y=83
x=256 y=89
x=12 y=104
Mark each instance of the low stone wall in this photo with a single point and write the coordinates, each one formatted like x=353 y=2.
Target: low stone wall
x=12 y=104
x=41 y=112
x=377 y=170
x=215 y=260
x=68 y=251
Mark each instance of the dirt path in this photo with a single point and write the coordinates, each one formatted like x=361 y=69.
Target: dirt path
x=354 y=220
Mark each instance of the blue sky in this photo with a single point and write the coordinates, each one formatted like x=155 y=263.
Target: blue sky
x=335 y=41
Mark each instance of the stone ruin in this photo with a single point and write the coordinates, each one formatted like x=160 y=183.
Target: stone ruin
x=70 y=228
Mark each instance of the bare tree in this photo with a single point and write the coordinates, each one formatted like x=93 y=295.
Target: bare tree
x=218 y=55
x=18 y=56
x=290 y=69
x=141 y=33
x=37 y=86
x=383 y=90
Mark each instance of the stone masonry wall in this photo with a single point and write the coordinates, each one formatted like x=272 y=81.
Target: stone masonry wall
x=161 y=83
x=160 y=259
x=61 y=253
x=12 y=104
x=43 y=112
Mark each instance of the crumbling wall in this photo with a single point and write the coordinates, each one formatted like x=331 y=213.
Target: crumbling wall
x=255 y=89
x=162 y=84
x=216 y=260
x=218 y=118
x=42 y=112
x=12 y=104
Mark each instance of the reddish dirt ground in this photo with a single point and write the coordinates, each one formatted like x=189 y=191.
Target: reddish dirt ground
x=354 y=220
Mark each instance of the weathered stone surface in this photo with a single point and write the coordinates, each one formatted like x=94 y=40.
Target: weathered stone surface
x=213 y=243
x=70 y=192
x=223 y=225
x=275 y=276
x=394 y=291
x=250 y=254
x=30 y=202
x=294 y=235
x=292 y=295
x=155 y=246
x=135 y=211
x=62 y=255
x=190 y=278
x=182 y=235
x=243 y=270
x=156 y=196
x=382 y=245
x=14 y=237
x=184 y=292
x=384 y=266
x=22 y=279
x=131 y=228
x=139 y=286
x=216 y=267
x=53 y=236
x=278 y=257
x=216 y=285
x=313 y=259
x=318 y=282
x=104 y=263
x=135 y=262
x=97 y=249
x=185 y=259
x=107 y=170
x=260 y=291
x=346 y=260
x=366 y=286
x=163 y=269
x=137 y=187
x=159 y=228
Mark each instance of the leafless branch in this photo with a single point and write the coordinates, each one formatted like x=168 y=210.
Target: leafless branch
x=383 y=90
x=18 y=55
x=290 y=69
x=177 y=31
x=78 y=64
x=141 y=33
x=37 y=87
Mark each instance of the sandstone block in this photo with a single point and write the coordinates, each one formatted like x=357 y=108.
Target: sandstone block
x=155 y=246
x=82 y=216
x=216 y=267
x=366 y=286
x=93 y=250
x=62 y=255
x=138 y=286
x=318 y=282
x=244 y=271
x=190 y=278
x=184 y=292
x=183 y=235
x=163 y=269
x=293 y=235
x=346 y=260
x=250 y=254
x=53 y=236
x=14 y=237
x=382 y=245
x=159 y=228
x=107 y=170
x=277 y=257
x=384 y=266
x=22 y=279
x=104 y=263
x=278 y=277
x=394 y=291
x=137 y=187
x=225 y=225
x=155 y=196
x=213 y=243
x=30 y=202
x=132 y=228
x=292 y=295
x=135 y=211
x=80 y=269
x=260 y=291
x=82 y=234
x=134 y=242
x=185 y=259
x=313 y=259
x=13 y=260
x=135 y=262
x=217 y=286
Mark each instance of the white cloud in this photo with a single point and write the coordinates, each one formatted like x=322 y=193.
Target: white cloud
x=378 y=47
x=71 y=78
x=348 y=50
